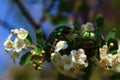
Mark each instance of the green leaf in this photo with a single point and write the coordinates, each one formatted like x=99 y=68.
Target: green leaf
x=114 y=42
x=99 y=23
x=111 y=34
x=38 y=50
x=113 y=52
x=110 y=38
x=25 y=59
x=39 y=37
x=28 y=40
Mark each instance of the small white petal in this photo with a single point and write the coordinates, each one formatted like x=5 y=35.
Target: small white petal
x=81 y=51
x=73 y=52
x=67 y=63
x=8 y=44
x=19 y=44
x=80 y=61
x=56 y=58
x=83 y=56
x=86 y=64
x=22 y=33
x=82 y=27
x=9 y=37
x=105 y=46
x=89 y=24
x=64 y=56
x=87 y=27
x=16 y=31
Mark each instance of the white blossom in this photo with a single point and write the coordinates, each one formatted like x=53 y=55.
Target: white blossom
x=8 y=43
x=87 y=27
x=67 y=62
x=61 y=45
x=19 y=44
x=79 y=57
x=55 y=58
x=103 y=51
x=21 y=33
x=109 y=60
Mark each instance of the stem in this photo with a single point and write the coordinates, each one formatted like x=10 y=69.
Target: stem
x=31 y=46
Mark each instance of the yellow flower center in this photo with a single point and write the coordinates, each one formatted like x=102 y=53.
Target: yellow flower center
x=67 y=61
x=9 y=45
x=22 y=35
x=87 y=28
x=105 y=60
x=103 y=51
x=19 y=44
x=60 y=45
x=77 y=56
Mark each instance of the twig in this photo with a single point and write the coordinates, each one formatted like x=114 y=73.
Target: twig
x=26 y=13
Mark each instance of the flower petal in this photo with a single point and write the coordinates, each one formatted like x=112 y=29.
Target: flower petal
x=8 y=44
x=22 y=33
x=19 y=44
x=60 y=45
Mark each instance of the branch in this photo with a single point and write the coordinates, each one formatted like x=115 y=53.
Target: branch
x=26 y=13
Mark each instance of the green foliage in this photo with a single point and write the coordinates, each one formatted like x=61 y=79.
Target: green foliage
x=111 y=34
x=113 y=52
x=110 y=38
x=99 y=23
x=28 y=40
x=38 y=50
x=39 y=37
x=25 y=59
x=115 y=44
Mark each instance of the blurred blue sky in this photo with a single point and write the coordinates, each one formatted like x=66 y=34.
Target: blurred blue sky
x=11 y=17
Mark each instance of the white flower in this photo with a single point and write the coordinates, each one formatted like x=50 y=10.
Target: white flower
x=8 y=43
x=118 y=58
x=109 y=60
x=67 y=62
x=87 y=27
x=19 y=44
x=21 y=33
x=79 y=57
x=56 y=58
x=103 y=51
x=61 y=45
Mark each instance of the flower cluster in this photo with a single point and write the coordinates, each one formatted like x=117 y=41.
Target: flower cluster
x=18 y=44
x=72 y=53
x=108 y=60
x=67 y=64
